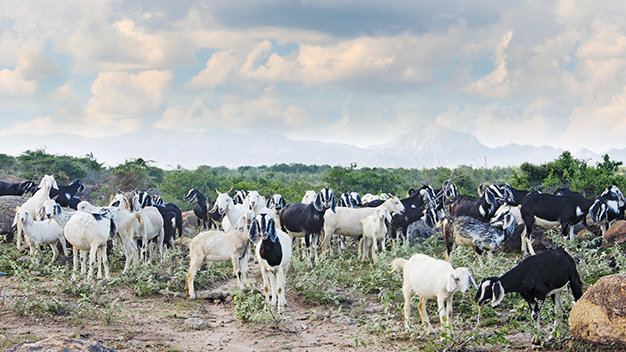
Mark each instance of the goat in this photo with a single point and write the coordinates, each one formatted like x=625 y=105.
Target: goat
x=276 y=202
x=172 y=217
x=34 y=204
x=273 y=252
x=309 y=197
x=51 y=210
x=64 y=194
x=482 y=208
x=346 y=221
x=150 y=220
x=42 y=232
x=444 y=196
x=535 y=278
x=431 y=278
x=17 y=189
x=374 y=231
x=226 y=207
x=305 y=220
x=328 y=198
x=90 y=232
x=484 y=238
x=512 y=196
x=216 y=245
x=239 y=197
x=548 y=210
x=414 y=209
x=608 y=208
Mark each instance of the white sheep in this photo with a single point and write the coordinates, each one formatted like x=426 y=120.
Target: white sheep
x=374 y=231
x=89 y=232
x=216 y=245
x=42 y=232
x=34 y=204
x=346 y=221
x=273 y=252
x=431 y=278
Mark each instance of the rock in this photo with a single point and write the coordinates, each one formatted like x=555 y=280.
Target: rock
x=7 y=212
x=196 y=324
x=616 y=234
x=599 y=316
x=540 y=240
x=190 y=222
x=62 y=343
x=585 y=234
x=418 y=232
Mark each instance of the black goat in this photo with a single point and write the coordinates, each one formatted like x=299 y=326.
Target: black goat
x=414 y=206
x=607 y=208
x=299 y=219
x=535 y=278
x=372 y=204
x=482 y=208
x=512 y=196
x=65 y=193
x=17 y=189
x=201 y=210
x=549 y=210
x=147 y=201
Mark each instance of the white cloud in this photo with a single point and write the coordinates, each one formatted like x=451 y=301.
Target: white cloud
x=14 y=85
x=218 y=67
x=495 y=84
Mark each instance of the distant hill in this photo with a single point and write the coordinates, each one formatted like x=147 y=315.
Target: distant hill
x=430 y=146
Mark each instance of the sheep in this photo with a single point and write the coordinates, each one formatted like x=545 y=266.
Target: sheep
x=90 y=231
x=535 y=278
x=374 y=231
x=484 y=238
x=273 y=252
x=216 y=245
x=34 y=204
x=309 y=197
x=42 y=232
x=345 y=221
x=226 y=207
x=431 y=278
x=17 y=189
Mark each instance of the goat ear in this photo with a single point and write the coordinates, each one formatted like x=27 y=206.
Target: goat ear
x=42 y=212
x=497 y=293
x=318 y=203
x=271 y=230
x=57 y=209
x=451 y=284
x=332 y=202
x=253 y=233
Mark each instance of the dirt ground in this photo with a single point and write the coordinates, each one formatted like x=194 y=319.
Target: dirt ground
x=157 y=323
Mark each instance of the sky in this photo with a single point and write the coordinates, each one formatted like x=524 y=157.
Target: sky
x=359 y=72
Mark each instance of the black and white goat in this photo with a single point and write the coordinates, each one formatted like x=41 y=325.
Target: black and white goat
x=512 y=196
x=65 y=193
x=17 y=189
x=201 y=210
x=328 y=198
x=444 y=196
x=305 y=220
x=239 y=196
x=535 y=278
x=483 y=237
x=414 y=206
x=276 y=202
x=172 y=217
x=608 y=208
x=549 y=210
x=482 y=208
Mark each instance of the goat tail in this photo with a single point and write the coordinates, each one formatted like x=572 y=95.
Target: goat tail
x=576 y=285
x=398 y=264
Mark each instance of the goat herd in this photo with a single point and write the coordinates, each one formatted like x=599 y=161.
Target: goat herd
x=141 y=225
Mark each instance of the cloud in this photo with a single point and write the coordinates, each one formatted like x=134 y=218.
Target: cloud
x=495 y=84
x=218 y=67
x=14 y=85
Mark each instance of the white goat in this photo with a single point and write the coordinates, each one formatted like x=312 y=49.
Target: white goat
x=431 y=278
x=42 y=232
x=226 y=207
x=34 y=204
x=347 y=221
x=216 y=245
x=89 y=232
x=273 y=252
x=151 y=226
x=309 y=197
x=51 y=210
x=374 y=231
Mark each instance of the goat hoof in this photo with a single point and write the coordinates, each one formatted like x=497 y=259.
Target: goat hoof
x=536 y=340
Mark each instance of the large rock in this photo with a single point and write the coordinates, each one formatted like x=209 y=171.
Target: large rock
x=58 y=343
x=540 y=240
x=190 y=222
x=7 y=211
x=600 y=314
x=616 y=234
x=418 y=231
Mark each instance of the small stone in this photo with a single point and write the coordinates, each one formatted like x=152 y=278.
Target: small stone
x=196 y=324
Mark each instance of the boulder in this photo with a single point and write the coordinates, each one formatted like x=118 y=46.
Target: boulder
x=599 y=316
x=540 y=239
x=190 y=222
x=7 y=211
x=62 y=343
x=418 y=232
x=616 y=234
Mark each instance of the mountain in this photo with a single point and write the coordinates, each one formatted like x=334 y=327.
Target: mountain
x=428 y=146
